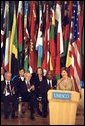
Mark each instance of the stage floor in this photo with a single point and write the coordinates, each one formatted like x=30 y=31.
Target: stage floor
x=39 y=120
x=44 y=121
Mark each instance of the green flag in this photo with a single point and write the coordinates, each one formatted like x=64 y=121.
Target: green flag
x=13 y=57
x=26 y=36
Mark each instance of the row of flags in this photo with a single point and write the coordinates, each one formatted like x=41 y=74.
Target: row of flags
x=42 y=34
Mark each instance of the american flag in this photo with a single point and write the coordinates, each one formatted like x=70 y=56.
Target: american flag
x=73 y=56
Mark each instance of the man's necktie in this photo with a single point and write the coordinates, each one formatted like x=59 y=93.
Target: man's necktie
x=50 y=84
x=8 y=86
x=28 y=85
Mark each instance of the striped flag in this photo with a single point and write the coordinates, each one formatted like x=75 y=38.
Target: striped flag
x=74 y=49
x=13 y=55
x=32 y=26
x=59 y=41
x=7 y=43
x=83 y=42
x=52 y=48
x=65 y=24
x=39 y=42
x=26 y=36
x=20 y=33
x=46 y=54
x=66 y=21
x=2 y=33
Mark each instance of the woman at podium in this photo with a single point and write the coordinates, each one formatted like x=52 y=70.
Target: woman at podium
x=65 y=83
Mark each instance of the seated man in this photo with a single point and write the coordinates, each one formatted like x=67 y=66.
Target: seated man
x=9 y=96
x=26 y=91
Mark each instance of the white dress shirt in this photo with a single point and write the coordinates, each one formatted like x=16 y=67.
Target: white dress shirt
x=49 y=82
x=6 y=92
x=22 y=78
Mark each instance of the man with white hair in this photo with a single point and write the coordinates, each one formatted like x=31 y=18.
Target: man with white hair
x=9 y=96
x=26 y=91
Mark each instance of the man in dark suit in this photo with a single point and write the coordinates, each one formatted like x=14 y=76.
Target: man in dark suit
x=48 y=84
x=9 y=96
x=51 y=81
x=18 y=80
x=26 y=91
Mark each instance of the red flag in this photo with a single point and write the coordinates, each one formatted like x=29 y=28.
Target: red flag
x=20 y=32
x=66 y=21
x=7 y=42
x=32 y=26
x=46 y=42
x=59 y=41
x=52 y=38
x=66 y=25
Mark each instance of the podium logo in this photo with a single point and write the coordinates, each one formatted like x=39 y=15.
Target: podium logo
x=58 y=95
